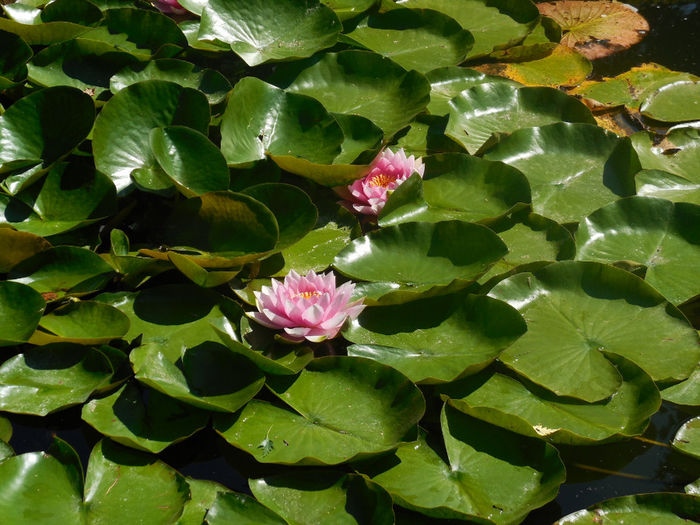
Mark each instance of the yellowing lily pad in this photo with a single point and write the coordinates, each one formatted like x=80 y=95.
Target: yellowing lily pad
x=596 y=29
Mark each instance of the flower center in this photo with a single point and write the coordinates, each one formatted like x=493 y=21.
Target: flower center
x=382 y=180
x=307 y=295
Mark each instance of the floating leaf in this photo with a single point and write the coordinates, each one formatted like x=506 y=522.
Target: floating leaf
x=664 y=185
x=240 y=509
x=479 y=113
x=686 y=392
x=14 y=53
x=21 y=308
x=674 y=102
x=687 y=439
x=654 y=233
x=573 y=169
x=577 y=311
x=437 y=339
x=349 y=8
x=264 y=30
x=16 y=246
x=43 y=380
x=420 y=39
x=84 y=322
x=596 y=29
x=678 y=153
x=643 y=508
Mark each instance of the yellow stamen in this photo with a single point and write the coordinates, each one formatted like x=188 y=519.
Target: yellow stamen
x=307 y=295
x=382 y=180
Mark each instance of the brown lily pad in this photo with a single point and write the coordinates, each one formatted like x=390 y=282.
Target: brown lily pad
x=596 y=29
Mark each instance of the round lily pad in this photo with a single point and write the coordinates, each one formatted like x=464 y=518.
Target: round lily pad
x=52 y=377
x=573 y=169
x=488 y=474
x=596 y=29
x=437 y=339
x=514 y=403
x=687 y=439
x=230 y=507
x=420 y=39
x=21 y=307
x=666 y=508
x=655 y=233
x=658 y=183
x=578 y=311
x=84 y=322
x=14 y=53
x=678 y=153
x=686 y=392
x=485 y=110
x=367 y=408
x=674 y=102
x=361 y=83
x=264 y=30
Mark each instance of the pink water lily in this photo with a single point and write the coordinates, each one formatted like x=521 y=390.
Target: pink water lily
x=308 y=307
x=387 y=172
x=170 y=7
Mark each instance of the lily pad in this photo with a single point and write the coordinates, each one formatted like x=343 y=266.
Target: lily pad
x=207 y=376
x=674 y=102
x=654 y=233
x=21 y=308
x=83 y=322
x=578 y=311
x=523 y=407
x=361 y=83
x=596 y=30
x=148 y=421
x=50 y=378
x=341 y=408
x=686 y=392
x=121 y=135
x=664 y=185
x=667 y=508
x=420 y=39
x=36 y=33
x=16 y=246
x=437 y=339
x=209 y=81
x=263 y=30
x=13 y=59
x=63 y=270
x=573 y=169
x=687 y=439
x=417 y=253
x=494 y=24
x=241 y=509
x=479 y=113
x=484 y=473
x=324 y=496
x=678 y=153
x=349 y=8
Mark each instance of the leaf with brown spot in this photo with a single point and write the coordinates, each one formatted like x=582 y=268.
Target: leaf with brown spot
x=596 y=29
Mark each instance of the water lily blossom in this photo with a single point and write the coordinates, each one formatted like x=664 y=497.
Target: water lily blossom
x=387 y=171
x=308 y=307
x=170 y=7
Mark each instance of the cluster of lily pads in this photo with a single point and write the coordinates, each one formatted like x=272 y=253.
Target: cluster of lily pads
x=532 y=285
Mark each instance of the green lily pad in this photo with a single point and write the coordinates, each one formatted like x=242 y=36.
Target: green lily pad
x=209 y=81
x=121 y=135
x=494 y=24
x=674 y=102
x=532 y=241
x=415 y=253
x=50 y=378
x=80 y=63
x=63 y=270
x=686 y=392
x=667 y=508
x=39 y=487
x=38 y=33
x=178 y=314
x=523 y=407
x=324 y=497
x=14 y=54
x=366 y=408
x=134 y=270
x=448 y=82
x=349 y=8
x=655 y=233
x=631 y=87
x=437 y=339
x=84 y=322
x=142 y=33
x=261 y=119
x=5 y=430
x=483 y=474
x=39 y=129
x=420 y=39
x=678 y=153
x=578 y=311
x=203 y=496
x=21 y=308
x=361 y=83
x=156 y=493
x=687 y=439
x=264 y=30
x=236 y=508
x=573 y=169
x=664 y=185
x=197 y=274
x=143 y=419
x=485 y=110
x=16 y=246
x=207 y=376
x=426 y=136
x=190 y=159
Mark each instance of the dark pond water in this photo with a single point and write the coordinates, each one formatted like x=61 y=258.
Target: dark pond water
x=594 y=473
